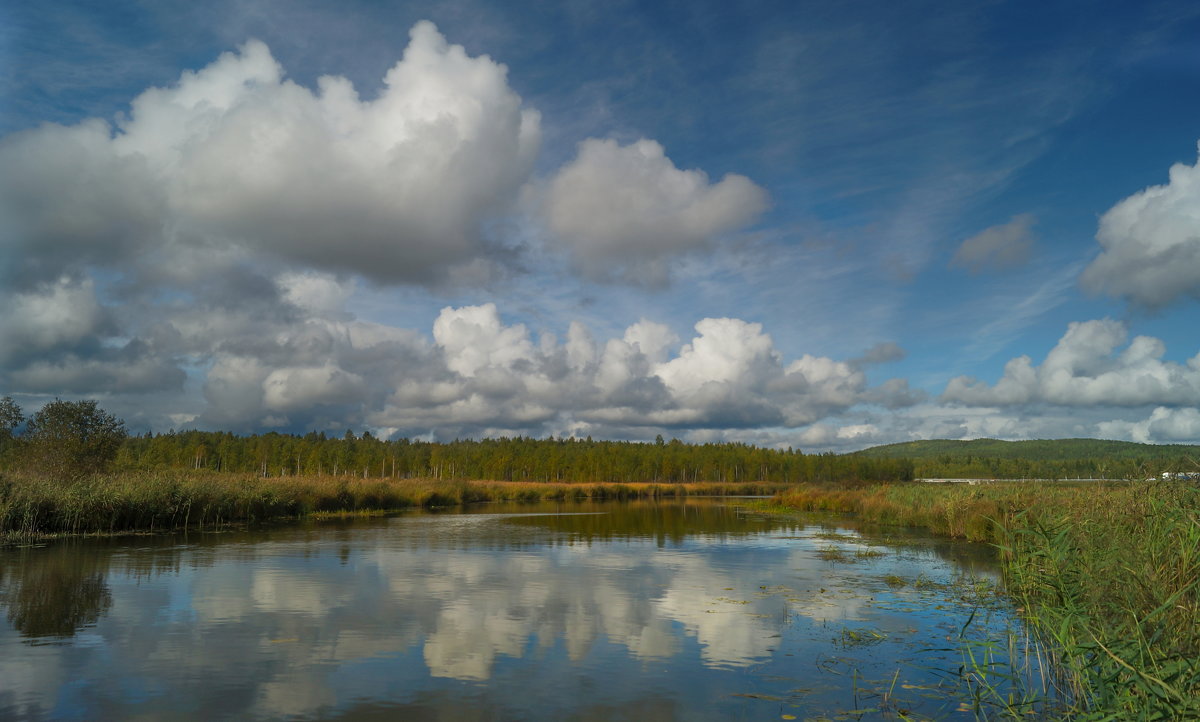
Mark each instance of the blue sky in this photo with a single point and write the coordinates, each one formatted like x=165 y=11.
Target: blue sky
x=809 y=224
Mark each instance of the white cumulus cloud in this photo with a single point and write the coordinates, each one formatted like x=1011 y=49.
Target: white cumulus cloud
x=474 y=339
x=1163 y=426
x=286 y=389
x=481 y=376
x=621 y=211
x=64 y=314
x=1151 y=243
x=235 y=155
x=1086 y=368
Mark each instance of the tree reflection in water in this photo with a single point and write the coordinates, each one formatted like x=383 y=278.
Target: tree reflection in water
x=55 y=592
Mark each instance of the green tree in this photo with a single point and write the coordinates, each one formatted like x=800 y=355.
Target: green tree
x=69 y=439
x=10 y=419
x=10 y=416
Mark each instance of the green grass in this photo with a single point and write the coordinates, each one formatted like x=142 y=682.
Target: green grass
x=859 y=637
x=1107 y=577
x=831 y=554
x=33 y=507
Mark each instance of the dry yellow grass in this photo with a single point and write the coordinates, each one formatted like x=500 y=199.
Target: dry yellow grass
x=150 y=501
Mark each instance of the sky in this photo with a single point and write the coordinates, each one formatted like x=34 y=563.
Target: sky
x=814 y=225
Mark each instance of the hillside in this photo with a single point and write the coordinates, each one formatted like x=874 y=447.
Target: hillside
x=1041 y=458
x=1034 y=450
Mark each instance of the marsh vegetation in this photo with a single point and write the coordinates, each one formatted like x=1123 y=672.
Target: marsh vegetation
x=1107 y=576
x=33 y=506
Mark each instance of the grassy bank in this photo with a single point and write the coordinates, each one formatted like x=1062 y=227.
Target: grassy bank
x=1108 y=577
x=33 y=507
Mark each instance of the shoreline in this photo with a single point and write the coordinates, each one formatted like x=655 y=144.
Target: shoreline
x=1106 y=576
x=34 y=509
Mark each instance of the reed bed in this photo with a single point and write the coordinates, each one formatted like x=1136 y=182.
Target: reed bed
x=33 y=506
x=1107 y=577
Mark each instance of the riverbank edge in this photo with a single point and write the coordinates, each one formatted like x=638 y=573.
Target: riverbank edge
x=1106 y=576
x=35 y=509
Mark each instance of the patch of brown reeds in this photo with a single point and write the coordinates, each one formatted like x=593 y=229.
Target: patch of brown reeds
x=32 y=505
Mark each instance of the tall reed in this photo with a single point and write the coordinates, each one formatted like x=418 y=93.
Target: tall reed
x=31 y=506
x=1107 y=576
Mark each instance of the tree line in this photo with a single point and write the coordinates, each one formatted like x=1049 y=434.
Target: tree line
x=73 y=438
x=498 y=459
x=76 y=438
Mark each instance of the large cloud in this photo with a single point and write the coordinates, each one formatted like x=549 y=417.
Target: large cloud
x=284 y=353
x=54 y=317
x=1086 y=369
x=620 y=211
x=481 y=376
x=234 y=155
x=1151 y=243
x=236 y=159
x=1164 y=425
x=58 y=338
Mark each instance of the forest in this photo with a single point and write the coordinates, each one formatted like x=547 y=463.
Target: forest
x=76 y=438
x=502 y=459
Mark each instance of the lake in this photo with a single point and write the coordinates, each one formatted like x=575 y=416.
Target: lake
x=640 y=610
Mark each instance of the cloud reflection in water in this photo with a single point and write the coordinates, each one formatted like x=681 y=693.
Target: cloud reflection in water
x=335 y=620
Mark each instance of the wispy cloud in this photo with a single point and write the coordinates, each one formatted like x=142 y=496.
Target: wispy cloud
x=1012 y=314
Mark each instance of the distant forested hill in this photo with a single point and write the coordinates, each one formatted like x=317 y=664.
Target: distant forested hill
x=1039 y=449
x=1043 y=458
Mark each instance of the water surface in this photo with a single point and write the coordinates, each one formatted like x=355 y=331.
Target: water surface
x=638 y=610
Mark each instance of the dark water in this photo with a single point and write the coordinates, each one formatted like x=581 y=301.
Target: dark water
x=638 y=610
